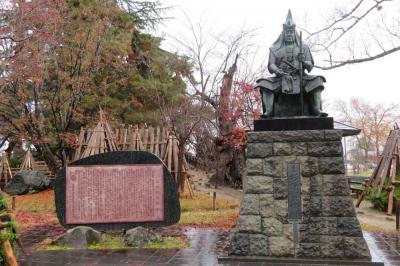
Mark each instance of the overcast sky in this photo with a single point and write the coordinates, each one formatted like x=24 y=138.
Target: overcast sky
x=375 y=81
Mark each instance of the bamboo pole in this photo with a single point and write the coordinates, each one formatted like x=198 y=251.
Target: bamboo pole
x=164 y=143
x=125 y=138
x=78 y=149
x=393 y=186
x=175 y=151
x=157 y=144
x=151 y=134
x=169 y=154
x=145 y=139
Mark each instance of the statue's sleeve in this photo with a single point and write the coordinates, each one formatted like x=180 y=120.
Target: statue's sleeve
x=309 y=61
x=272 y=67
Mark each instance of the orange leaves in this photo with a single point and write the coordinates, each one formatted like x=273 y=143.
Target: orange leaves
x=35 y=209
x=239 y=136
x=39 y=202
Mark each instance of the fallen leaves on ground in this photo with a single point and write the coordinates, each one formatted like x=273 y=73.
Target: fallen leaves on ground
x=26 y=220
x=38 y=202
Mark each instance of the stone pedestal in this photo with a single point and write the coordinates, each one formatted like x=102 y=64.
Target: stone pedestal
x=327 y=227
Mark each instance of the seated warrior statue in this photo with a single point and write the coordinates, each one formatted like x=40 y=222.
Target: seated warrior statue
x=291 y=92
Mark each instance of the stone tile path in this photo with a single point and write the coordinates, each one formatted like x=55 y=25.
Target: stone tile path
x=206 y=245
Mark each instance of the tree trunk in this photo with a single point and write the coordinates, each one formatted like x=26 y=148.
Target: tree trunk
x=224 y=160
x=223 y=143
x=377 y=150
x=237 y=166
x=181 y=174
x=365 y=159
x=48 y=156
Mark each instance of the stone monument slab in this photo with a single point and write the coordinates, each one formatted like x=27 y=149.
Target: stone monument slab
x=117 y=191
x=110 y=193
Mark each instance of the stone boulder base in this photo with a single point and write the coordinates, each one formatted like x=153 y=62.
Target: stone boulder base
x=27 y=182
x=140 y=236
x=78 y=237
x=328 y=227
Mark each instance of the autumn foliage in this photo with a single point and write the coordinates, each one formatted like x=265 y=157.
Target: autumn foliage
x=61 y=60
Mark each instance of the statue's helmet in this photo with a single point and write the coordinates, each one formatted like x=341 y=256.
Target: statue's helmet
x=289 y=23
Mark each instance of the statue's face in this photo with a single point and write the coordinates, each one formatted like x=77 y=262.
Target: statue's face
x=289 y=35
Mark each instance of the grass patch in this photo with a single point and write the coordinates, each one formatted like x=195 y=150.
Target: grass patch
x=39 y=209
x=204 y=202
x=117 y=242
x=170 y=242
x=376 y=229
x=199 y=211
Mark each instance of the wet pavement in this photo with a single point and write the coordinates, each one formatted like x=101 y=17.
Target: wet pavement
x=206 y=246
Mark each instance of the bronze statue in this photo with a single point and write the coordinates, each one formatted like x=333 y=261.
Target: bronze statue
x=291 y=92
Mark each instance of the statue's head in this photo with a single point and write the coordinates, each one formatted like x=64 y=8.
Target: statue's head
x=289 y=29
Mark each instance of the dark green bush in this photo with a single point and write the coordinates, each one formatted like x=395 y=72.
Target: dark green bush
x=381 y=202
x=16 y=161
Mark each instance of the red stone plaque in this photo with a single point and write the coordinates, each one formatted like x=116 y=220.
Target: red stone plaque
x=114 y=193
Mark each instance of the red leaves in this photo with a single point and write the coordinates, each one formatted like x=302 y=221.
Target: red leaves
x=244 y=105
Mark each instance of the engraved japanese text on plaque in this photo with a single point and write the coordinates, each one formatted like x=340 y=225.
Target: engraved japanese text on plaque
x=114 y=193
x=294 y=191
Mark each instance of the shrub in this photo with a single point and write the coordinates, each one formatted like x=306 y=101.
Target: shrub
x=381 y=202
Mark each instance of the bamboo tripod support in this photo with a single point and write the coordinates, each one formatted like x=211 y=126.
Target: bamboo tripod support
x=29 y=162
x=5 y=170
x=159 y=141
x=386 y=171
x=99 y=140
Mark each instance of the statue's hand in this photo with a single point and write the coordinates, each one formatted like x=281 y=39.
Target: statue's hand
x=301 y=57
x=281 y=72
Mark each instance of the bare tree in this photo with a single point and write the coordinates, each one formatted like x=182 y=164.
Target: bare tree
x=362 y=31
x=374 y=121
x=220 y=61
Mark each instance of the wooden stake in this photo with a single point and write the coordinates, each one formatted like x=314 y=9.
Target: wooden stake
x=189 y=186
x=397 y=214
x=8 y=251
x=13 y=203
x=214 y=200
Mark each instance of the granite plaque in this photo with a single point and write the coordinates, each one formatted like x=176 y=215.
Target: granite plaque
x=294 y=191
x=114 y=193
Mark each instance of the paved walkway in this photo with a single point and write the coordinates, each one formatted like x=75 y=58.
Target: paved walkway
x=206 y=245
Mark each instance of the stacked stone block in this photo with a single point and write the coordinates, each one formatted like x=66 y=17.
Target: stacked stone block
x=329 y=227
